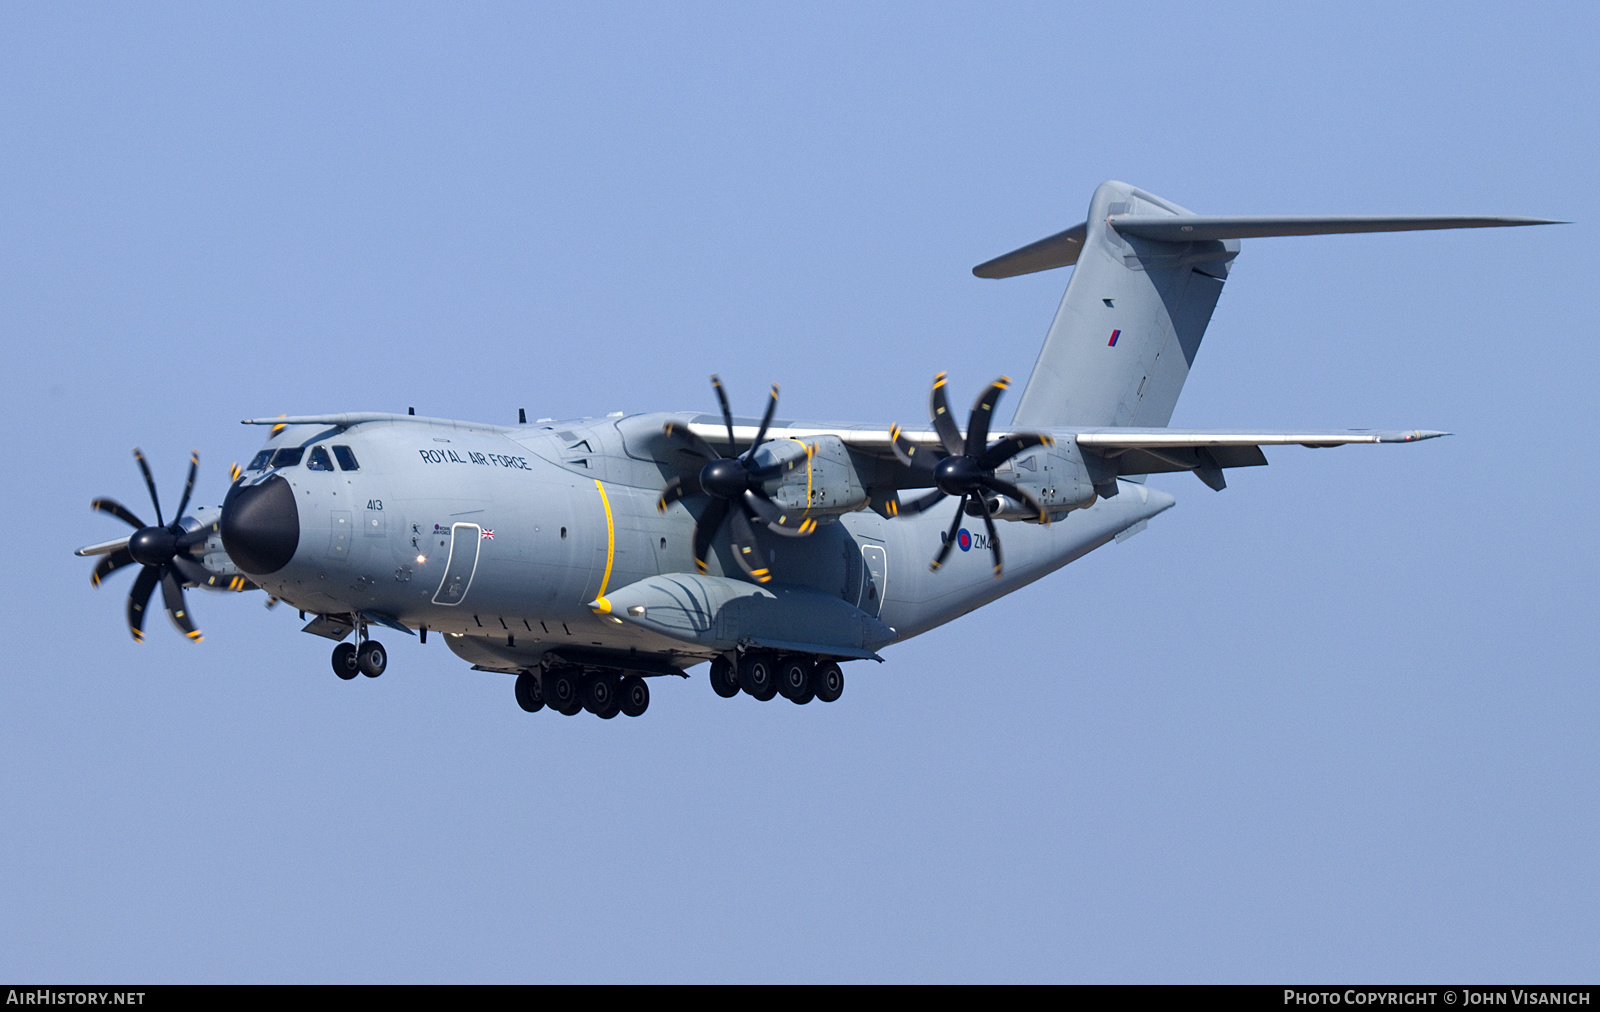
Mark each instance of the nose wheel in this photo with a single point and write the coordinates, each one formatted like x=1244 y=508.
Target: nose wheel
x=350 y=660
x=344 y=661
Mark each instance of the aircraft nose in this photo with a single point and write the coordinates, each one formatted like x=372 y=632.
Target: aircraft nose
x=261 y=526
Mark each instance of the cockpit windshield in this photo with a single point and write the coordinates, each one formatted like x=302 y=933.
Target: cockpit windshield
x=319 y=460
x=260 y=461
x=288 y=456
x=347 y=460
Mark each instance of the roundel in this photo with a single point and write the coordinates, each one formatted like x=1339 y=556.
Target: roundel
x=964 y=540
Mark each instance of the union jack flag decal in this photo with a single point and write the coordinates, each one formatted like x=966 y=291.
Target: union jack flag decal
x=488 y=535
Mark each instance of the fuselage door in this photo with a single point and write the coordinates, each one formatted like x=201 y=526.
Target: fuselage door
x=874 y=578
x=463 y=562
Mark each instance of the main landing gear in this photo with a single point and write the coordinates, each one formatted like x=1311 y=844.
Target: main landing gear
x=796 y=677
x=570 y=690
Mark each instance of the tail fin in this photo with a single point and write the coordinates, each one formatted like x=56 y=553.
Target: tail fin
x=1131 y=321
x=1148 y=276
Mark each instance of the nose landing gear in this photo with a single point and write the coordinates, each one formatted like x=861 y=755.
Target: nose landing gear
x=362 y=657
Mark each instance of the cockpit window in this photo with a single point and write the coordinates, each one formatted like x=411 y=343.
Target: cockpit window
x=347 y=460
x=289 y=456
x=259 y=461
x=319 y=460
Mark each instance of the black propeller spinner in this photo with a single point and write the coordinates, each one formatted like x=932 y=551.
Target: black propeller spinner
x=966 y=467
x=730 y=481
x=163 y=552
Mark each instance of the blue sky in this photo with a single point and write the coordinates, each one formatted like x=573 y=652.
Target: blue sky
x=1336 y=722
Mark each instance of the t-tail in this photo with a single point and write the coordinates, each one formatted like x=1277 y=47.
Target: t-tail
x=1147 y=277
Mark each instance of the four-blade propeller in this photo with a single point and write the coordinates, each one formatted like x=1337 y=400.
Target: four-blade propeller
x=733 y=484
x=965 y=468
x=163 y=552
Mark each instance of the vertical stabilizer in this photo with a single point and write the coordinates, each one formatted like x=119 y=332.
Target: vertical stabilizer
x=1131 y=321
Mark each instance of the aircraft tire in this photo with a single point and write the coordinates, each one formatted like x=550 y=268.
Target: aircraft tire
x=561 y=691
x=600 y=695
x=724 y=679
x=530 y=694
x=344 y=661
x=756 y=675
x=828 y=681
x=372 y=659
x=794 y=679
x=635 y=696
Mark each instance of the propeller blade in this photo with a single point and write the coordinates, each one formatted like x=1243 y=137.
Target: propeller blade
x=177 y=610
x=150 y=483
x=911 y=454
x=116 y=509
x=138 y=597
x=697 y=446
x=727 y=413
x=994 y=538
x=190 y=570
x=920 y=504
x=745 y=549
x=982 y=411
x=1009 y=447
x=188 y=488
x=706 y=529
x=234 y=472
x=110 y=564
x=1018 y=493
x=939 y=409
x=766 y=420
x=776 y=519
x=678 y=488
x=200 y=576
x=950 y=538
x=196 y=537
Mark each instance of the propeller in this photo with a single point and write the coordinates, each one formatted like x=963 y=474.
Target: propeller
x=162 y=552
x=965 y=468
x=733 y=484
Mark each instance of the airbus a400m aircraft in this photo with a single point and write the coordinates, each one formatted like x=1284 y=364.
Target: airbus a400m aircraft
x=585 y=556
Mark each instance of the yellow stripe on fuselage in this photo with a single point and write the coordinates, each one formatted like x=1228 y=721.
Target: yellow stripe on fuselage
x=611 y=539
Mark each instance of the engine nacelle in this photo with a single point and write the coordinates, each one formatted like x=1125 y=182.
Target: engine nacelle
x=817 y=477
x=1055 y=475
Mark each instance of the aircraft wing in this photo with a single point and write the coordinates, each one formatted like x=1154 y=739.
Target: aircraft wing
x=1118 y=450
x=1113 y=439
x=1107 y=441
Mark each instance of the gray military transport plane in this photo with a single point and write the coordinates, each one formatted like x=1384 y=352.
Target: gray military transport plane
x=584 y=556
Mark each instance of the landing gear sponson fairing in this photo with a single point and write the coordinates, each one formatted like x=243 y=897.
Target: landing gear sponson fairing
x=585 y=556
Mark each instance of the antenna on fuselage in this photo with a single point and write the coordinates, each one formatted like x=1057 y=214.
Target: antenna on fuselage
x=522 y=416
x=411 y=411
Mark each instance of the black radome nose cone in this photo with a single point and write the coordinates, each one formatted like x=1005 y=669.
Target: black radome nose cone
x=261 y=526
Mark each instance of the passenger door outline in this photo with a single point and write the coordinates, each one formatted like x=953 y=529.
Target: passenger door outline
x=461 y=566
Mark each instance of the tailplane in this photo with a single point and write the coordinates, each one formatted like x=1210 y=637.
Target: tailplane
x=1147 y=277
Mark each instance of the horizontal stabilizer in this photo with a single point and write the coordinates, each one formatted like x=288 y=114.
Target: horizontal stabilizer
x=1059 y=250
x=1200 y=228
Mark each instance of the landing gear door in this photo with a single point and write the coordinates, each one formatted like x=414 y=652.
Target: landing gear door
x=464 y=539
x=874 y=578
